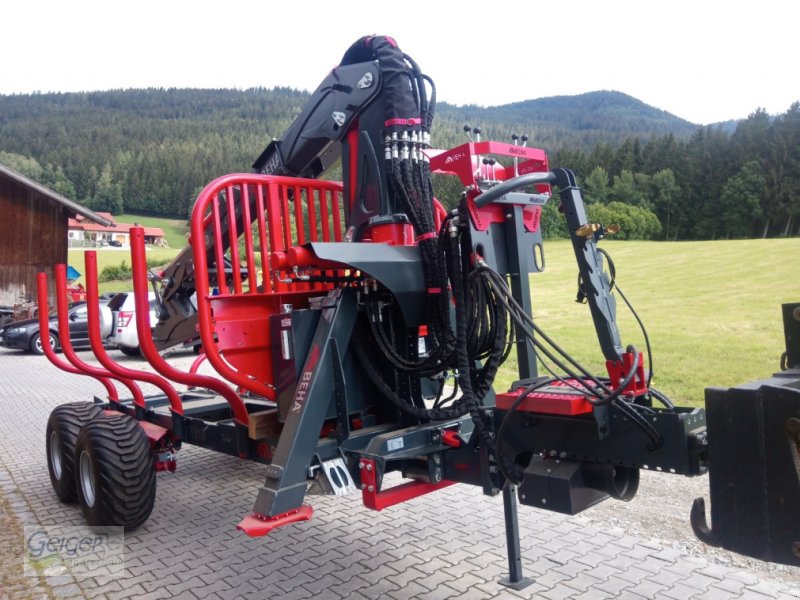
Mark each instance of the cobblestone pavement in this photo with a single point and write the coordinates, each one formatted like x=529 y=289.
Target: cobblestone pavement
x=449 y=544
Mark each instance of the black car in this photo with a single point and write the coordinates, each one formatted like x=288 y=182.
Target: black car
x=25 y=335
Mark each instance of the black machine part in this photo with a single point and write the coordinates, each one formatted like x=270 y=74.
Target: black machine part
x=791 y=328
x=754 y=469
x=309 y=146
x=754 y=461
x=570 y=487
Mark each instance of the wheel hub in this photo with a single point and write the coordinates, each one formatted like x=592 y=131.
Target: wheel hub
x=86 y=478
x=55 y=455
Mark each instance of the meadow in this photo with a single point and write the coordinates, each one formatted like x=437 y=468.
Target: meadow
x=712 y=309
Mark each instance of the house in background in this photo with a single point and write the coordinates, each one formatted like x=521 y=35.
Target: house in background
x=85 y=233
x=33 y=234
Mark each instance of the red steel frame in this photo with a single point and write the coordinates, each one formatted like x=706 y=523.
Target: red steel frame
x=66 y=343
x=139 y=267
x=464 y=162
x=95 y=338
x=44 y=325
x=232 y=319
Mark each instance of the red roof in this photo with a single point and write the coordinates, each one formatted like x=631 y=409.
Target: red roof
x=84 y=225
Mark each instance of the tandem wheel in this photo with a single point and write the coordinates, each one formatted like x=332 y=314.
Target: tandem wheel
x=114 y=472
x=63 y=426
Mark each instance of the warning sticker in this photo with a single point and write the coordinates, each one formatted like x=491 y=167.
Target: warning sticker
x=395 y=444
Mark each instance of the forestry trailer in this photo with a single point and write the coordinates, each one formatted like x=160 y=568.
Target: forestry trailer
x=356 y=329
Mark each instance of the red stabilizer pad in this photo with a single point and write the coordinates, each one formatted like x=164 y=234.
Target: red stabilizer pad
x=256 y=525
x=553 y=399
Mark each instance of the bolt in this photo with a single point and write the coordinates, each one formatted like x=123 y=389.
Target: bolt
x=371 y=488
x=563 y=455
x=437 y=475
x=369 y=467
x=361 y=465
x=363 y=486
x=437 y=459
x=522 y=496
x=544 y=500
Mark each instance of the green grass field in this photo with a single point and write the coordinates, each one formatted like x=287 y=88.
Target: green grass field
x=175 y=230
x=711 y=309
x=106 y=257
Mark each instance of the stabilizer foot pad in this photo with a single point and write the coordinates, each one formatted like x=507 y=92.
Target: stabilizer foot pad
x=256 y=525
x=516 y=585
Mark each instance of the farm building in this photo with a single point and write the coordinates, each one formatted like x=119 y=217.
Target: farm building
x=85 y=233
x=33 y=234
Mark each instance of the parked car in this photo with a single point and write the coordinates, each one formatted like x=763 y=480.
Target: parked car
x=6 y=315
x=123 y=320
x=25 y=335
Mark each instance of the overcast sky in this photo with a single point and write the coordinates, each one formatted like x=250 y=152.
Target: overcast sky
x=702 y=60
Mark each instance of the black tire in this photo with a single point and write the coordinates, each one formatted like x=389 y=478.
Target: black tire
x=114 y=472
x=36 y=343
x=130 y=351
x=63 y=426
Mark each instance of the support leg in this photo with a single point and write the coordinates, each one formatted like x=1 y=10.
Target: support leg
x=515 y=579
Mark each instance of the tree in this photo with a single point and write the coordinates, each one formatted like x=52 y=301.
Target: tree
x=666 y=196
x=635 y=222
x=108 y=196
x=781 y=202
x=709 y=164
x=553 y=223
x=596 y=186
x=740 y=201
x=625 y=189
x=24 y=165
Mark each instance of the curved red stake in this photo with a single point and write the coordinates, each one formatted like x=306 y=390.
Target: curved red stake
x=197 y=362
x=44 y=325
x=66 y=343
x=139 y=267
x=93 y=304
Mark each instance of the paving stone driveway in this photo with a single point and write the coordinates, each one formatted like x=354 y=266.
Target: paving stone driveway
x=445 y=545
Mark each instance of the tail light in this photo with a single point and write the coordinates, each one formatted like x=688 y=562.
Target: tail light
x=124 y=317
